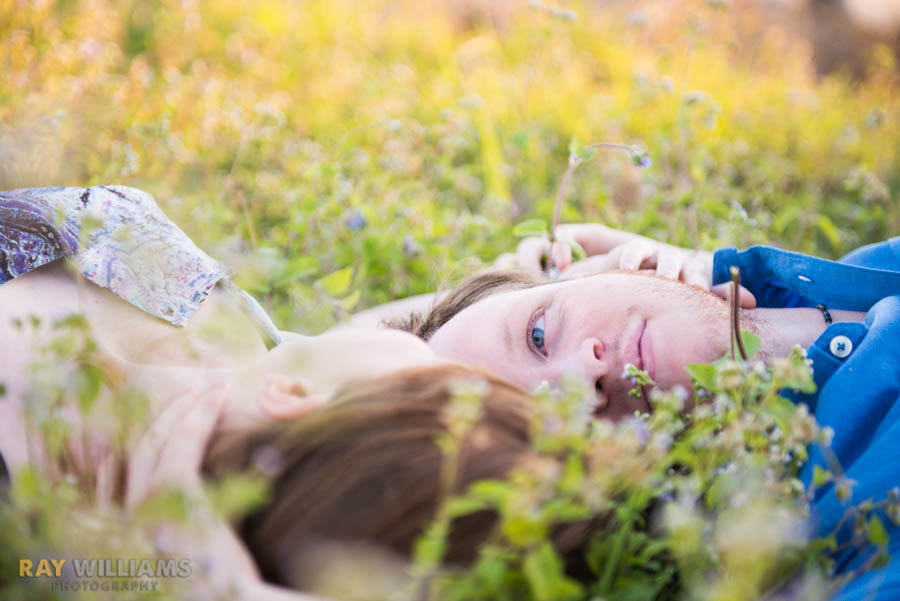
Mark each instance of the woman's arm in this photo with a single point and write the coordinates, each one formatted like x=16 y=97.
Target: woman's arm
x=169 y=455
x=372 y=318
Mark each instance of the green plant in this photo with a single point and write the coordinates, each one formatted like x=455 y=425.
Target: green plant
x=698 y=500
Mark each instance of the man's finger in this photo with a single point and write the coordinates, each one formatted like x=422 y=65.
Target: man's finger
x=562 y=255
x=529 y=254
x=591 y=266
x=634 y=254
x=669 y=264
x=505 y=261
x=694 y=274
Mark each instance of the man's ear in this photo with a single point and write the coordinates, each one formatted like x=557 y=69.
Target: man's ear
x=284 y=397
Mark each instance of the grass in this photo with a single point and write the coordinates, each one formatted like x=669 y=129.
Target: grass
x=404 y=139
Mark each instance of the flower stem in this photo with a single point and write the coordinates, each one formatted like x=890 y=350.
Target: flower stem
x=735 y=314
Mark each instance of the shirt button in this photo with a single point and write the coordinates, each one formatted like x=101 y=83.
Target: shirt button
x=840 y=346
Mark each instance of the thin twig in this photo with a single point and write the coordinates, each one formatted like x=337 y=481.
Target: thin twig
x=574 y=161
x=567 y=177
x=736 y=314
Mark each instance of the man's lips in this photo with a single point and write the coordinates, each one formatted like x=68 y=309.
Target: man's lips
x=637 y=353
x=645 y=351
x=631 y=354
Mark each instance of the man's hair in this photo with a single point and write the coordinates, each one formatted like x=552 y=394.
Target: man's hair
x=468 y=292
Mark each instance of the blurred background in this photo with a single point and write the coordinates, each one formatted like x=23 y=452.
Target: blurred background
x=393 y=144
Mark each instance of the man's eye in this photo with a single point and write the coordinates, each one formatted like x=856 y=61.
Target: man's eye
x=537 y=333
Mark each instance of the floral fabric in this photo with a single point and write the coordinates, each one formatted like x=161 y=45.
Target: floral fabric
x=117 y=237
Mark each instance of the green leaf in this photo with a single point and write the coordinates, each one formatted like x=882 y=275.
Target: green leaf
x=565 y=510
x=429 y=549
x=882 y=561
x=574 y=147
x=578 y=253
x=495 y=492
x=524 y=531
x=820 y=476
x=2 y=389
x=751 y=342
x=586 y=154
x=543 y=570
x=573 y=475
x=704 y=375
x=86 y=384
x=459 y=506
x=829 y=230
x=819 y=545
x=338 y=282
x=780 y=409
x=237 y=495
x=350 y=301
x=787 y=217
x=878 y=536
x=530 y=227
x=721 y=489
x=298 y=268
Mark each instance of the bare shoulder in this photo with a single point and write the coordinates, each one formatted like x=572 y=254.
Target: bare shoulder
x=218 y=335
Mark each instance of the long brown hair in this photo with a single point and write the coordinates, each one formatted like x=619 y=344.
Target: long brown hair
x=366 y=468
x=468 y=292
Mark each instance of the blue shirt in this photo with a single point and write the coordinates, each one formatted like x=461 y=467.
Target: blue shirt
x=856 y=367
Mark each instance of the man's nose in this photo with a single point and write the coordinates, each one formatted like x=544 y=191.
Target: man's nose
x=593 y=358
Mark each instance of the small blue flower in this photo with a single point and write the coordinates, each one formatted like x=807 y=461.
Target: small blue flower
x=410 y=247
x=666 y=497
x=355 y=221
x=642 y=160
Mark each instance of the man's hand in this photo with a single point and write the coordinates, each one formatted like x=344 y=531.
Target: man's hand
x=610 y=250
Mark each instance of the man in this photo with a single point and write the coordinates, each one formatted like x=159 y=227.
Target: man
x=846 y=314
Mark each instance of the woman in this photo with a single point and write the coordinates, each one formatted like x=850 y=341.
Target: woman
x=127 y=256
x=367 y=473
x=361 y=477
x=257 y=389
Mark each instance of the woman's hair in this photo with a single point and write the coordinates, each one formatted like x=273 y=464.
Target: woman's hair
x=367 y=469
x=468 y=292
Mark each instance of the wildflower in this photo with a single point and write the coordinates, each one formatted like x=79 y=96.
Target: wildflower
x=893 y=495
x=268 y=460
x=893 y=513
x=639 y=429
x=410 y=247
x=641 y=160
x=843 y=488
x=355 y=221
x=694 y=96
x=730 y=376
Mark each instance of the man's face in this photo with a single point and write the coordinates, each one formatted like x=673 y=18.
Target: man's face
x=592 y=326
